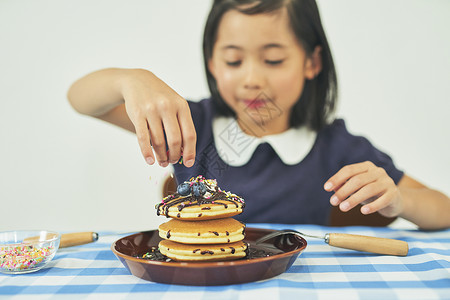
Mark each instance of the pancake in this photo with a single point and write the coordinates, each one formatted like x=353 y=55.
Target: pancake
x=198 y=252
x=200 y=199
x=221 y=231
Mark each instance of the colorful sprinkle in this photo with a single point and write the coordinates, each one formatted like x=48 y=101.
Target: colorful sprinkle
x=24 y=257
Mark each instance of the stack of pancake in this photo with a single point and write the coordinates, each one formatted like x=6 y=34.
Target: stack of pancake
x=201 y=228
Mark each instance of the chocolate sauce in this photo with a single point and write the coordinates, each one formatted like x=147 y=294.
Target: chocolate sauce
x=168 y=234
x=154 y=254
x=258 y=253
x=215 y=232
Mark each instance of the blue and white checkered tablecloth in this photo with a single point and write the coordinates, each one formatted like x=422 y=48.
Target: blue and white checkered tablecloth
x=320 y=272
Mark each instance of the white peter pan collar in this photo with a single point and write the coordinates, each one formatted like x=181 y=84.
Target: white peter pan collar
x=236 y=148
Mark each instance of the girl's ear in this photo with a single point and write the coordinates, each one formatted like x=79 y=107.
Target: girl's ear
x=313 y=64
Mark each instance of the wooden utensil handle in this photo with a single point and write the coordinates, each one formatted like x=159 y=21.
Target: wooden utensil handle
x=77 y=238
x=368 y=244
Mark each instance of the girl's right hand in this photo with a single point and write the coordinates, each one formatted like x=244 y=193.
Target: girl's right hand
x=161 y=118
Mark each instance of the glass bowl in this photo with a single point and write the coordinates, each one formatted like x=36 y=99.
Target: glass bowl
x=26 y=251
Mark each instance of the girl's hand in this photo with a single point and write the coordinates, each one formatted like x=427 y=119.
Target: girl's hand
x=366 y=184
x=159 y=115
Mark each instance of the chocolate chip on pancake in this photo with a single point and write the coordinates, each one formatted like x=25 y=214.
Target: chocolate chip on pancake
x=199 y=252
x=220 y=231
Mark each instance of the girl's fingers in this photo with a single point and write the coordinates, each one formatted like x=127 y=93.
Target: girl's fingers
x=352 y=186
x=345 y=174
x=364 y=184
x=189 y=136
x=173 y=136
x=158 y=140
x=143 y=137
x=376 y=205
x=369 y=192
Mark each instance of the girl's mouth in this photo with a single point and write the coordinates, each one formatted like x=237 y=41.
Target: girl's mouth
x=254 y=103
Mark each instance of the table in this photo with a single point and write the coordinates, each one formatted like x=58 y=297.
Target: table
x=320 y=272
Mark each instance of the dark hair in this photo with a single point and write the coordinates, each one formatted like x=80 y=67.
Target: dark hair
x=319 y=97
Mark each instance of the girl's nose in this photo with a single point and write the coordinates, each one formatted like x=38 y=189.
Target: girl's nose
x=253 y=76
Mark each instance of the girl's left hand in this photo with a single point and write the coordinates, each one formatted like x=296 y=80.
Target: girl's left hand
x=365 y=184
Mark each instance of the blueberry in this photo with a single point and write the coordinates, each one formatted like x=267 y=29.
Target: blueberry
x=184 y=189
x=195 y=190
x=198 y=189
x=202 y=188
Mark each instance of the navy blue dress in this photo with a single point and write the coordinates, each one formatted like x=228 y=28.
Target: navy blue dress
x=273 y=191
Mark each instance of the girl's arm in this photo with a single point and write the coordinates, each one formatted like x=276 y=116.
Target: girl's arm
x=137 y=100
x=369 y=185
x=428 y=208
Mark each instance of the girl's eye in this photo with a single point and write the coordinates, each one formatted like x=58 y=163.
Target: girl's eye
x=234 y=63
x=274 y=62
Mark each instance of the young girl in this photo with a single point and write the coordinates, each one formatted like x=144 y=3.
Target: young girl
x=267 y=132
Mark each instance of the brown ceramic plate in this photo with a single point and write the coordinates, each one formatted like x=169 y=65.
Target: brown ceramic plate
x=282 y=252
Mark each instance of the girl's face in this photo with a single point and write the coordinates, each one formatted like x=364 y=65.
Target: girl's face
x=260 y=69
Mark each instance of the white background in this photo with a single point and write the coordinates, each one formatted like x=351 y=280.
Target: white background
x=63 y=171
